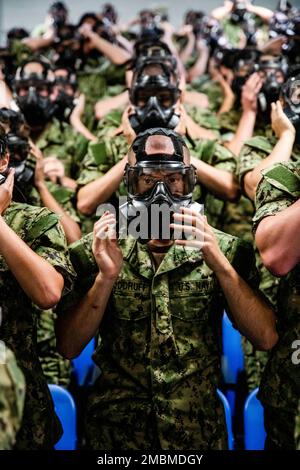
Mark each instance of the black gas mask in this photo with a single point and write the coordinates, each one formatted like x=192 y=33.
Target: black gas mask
x=68 y=45
x=291 y=95
x=154 y=98
x=65 y=102
x=32 y=93
x=244 y=66
x=158 y=185
x=24 y=172
x=239 y=13
x=270 y=90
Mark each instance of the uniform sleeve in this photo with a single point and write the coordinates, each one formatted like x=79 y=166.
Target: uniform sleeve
x=269 y=201
x=224 y=159
x=249 y=159
x=86 y=270
x=49 y=242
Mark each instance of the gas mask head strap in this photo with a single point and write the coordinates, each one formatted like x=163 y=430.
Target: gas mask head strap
x=139 y=145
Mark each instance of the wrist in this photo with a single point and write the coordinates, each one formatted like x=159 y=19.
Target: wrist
x=40 y=185
x=224 y=270
x=107 y=280
x=288 y=134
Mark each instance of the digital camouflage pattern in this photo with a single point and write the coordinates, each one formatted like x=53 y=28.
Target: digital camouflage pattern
x=40 y=229
x=102 y=156
x=280 y=386
x=99 y=78
x=211 y=89
x=254 y=151
x=160 y=349
x=12 y=396
x=204 y=118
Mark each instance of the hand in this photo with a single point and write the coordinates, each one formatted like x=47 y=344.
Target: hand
x=280 y=122
x=53 y=169
x=6 y=190
x=39 y=175
x=195 y=224
x=107 y=253
x=128 y=132
x=185 y=30
x=250 y=92
x=182 y=125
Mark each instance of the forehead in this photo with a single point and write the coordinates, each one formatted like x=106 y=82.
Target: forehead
x=61 y=73
x=33 y=67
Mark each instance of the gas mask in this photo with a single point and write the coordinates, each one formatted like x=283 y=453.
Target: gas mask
x=34 y=103
x=19 y=149
x=158 y=185
x=154 y=98
x=65 y=102
x=239 y=13
x=291 y=96
x=270 y=90
x=38 y=110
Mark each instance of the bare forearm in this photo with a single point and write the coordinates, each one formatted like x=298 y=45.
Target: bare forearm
x=277 y=240
x=40 y=281
x=103 y=107
x=116 y=54
x=78 y=125
x=187 y=51
x=37 y=43
x=281 y=152
x=71 y=228
x=100 y=190
x=253 y=317
x=243 y=133
x=264 y=13
x=76 y=327
x=219 y=182
x=200 y=66
x=228 y=102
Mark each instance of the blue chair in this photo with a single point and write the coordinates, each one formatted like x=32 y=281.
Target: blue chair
x=83 y=365
x=228 y=418
x=232 y=358
x=66 y=411
x=255 y=433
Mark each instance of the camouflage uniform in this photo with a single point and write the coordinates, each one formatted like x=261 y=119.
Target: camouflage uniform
x=39 y=228
x=206 y=85
x=101 y=157
x=59 y=140
x=280 y=386
x=12 y=395
x=160 y=348
x=99 y=78
x=254 y=151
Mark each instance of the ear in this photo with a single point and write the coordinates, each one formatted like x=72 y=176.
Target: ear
x=4 y=162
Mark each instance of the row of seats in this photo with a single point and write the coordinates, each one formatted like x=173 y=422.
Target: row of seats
x=253 y=420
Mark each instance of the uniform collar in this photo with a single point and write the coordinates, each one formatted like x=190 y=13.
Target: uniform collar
x=138 y=256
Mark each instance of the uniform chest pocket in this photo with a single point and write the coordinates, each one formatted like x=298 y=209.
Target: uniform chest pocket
x=131 y=306
x=191 y=301
x=191 y=312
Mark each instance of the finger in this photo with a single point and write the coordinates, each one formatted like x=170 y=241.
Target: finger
x=191 y=243
x=187 y=229
x=109 y=219
x=110 y=222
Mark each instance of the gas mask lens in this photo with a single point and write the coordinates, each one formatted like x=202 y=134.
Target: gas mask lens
x=295 y=93
x=164 y=96
x=179 y=180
